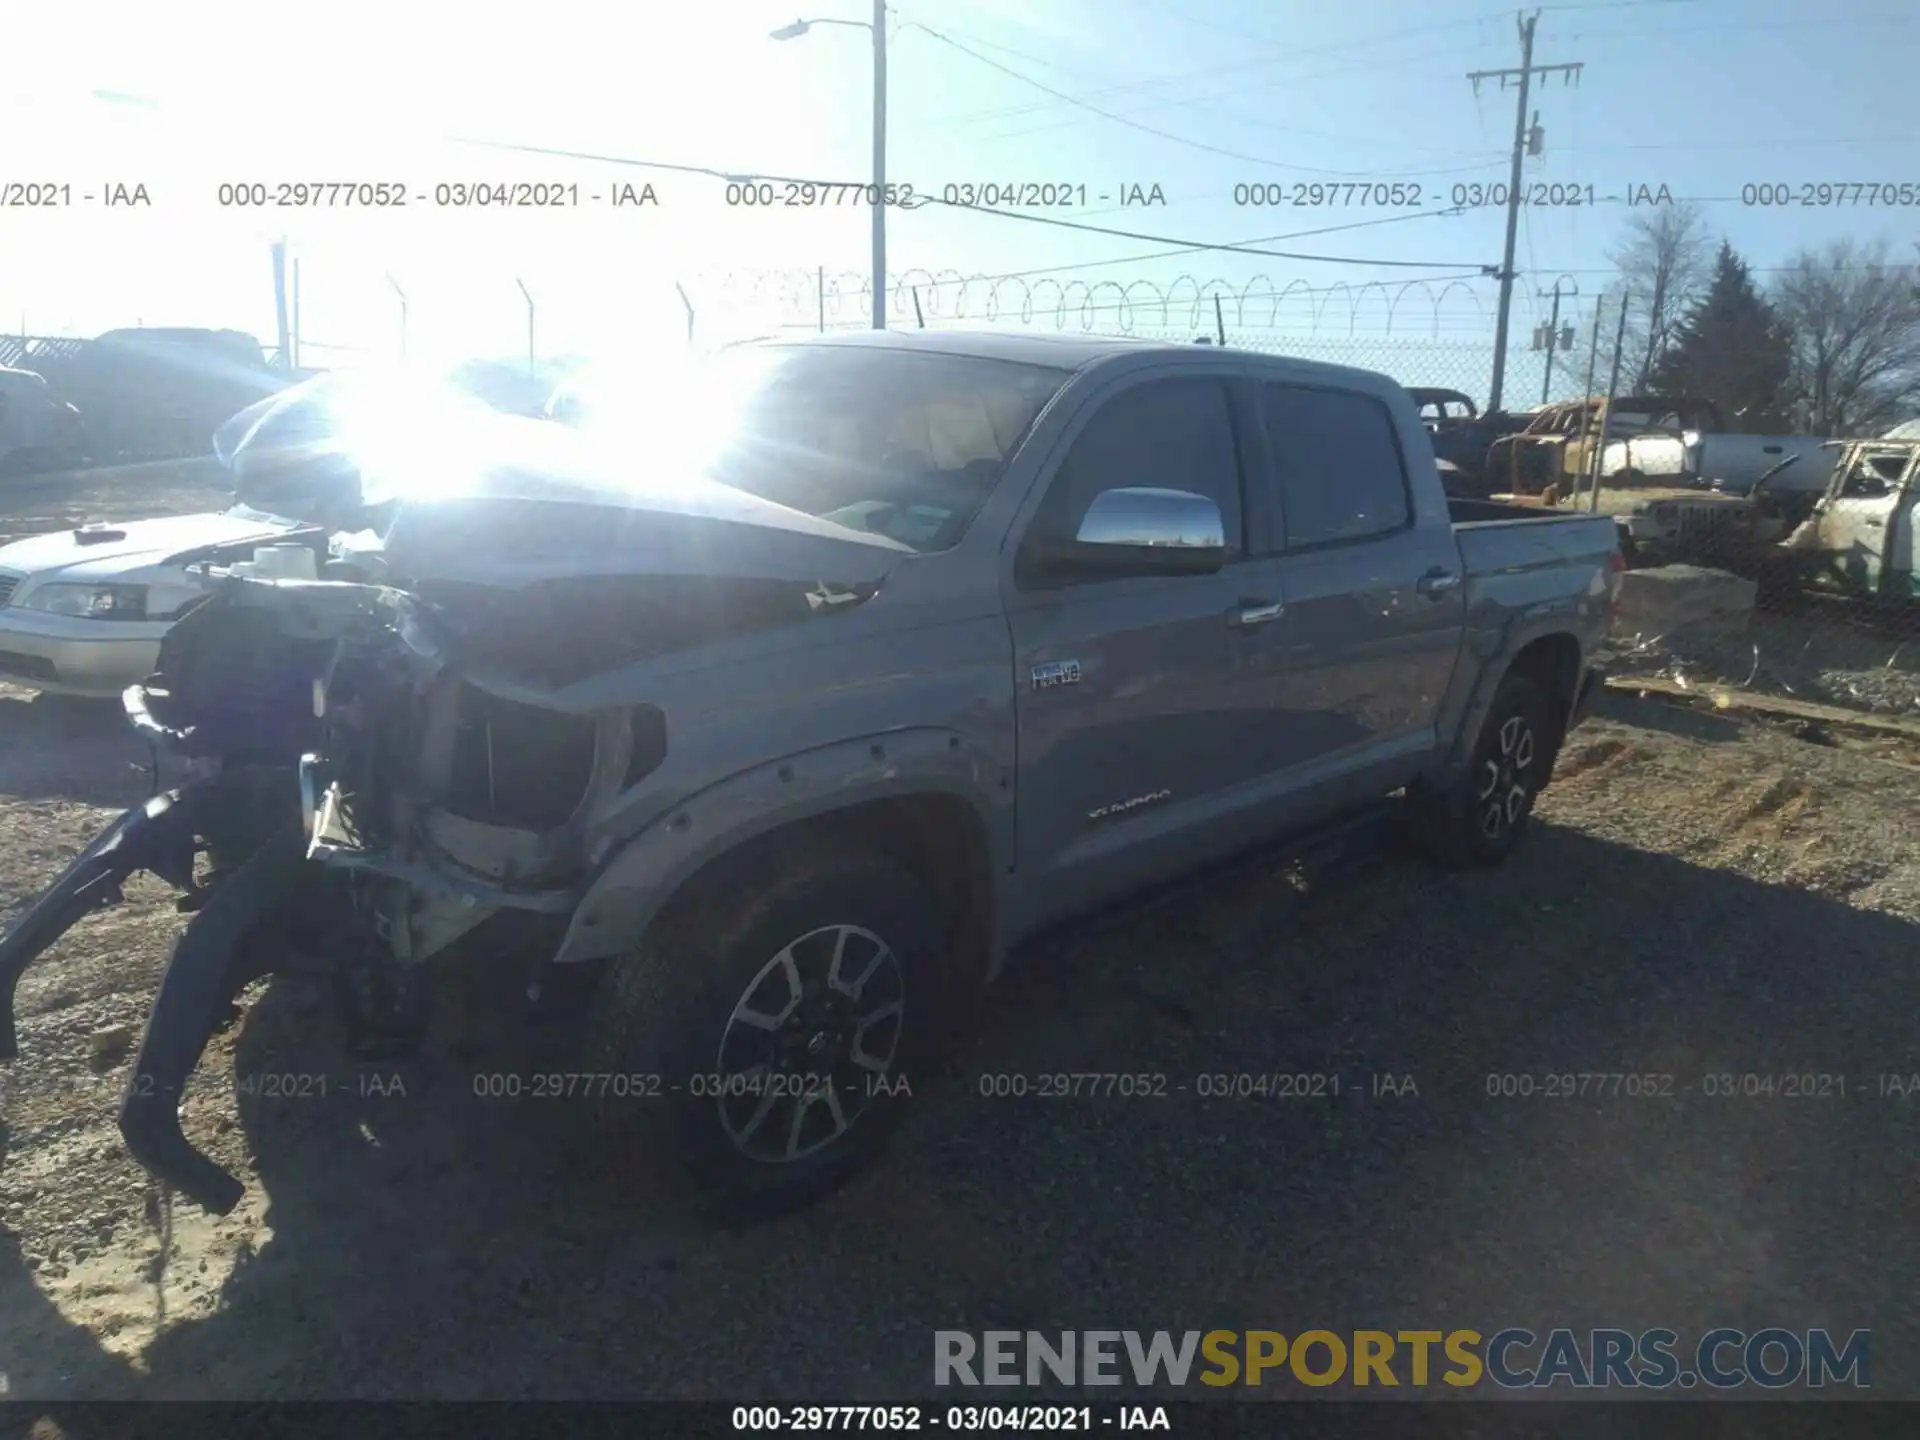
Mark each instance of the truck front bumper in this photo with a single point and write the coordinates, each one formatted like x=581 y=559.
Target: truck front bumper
x=67 y=655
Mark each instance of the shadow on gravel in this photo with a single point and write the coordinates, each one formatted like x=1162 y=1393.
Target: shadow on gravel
x=58 y=747
x=44 y=1355
x=432 y=1241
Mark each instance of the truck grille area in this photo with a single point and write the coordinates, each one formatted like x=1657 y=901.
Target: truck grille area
x=1706 y=524
x=8 y=584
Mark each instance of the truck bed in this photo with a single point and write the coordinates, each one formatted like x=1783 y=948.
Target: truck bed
x=1499 y=538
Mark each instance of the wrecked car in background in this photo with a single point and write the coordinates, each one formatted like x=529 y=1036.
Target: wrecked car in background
x=1461 y=434
x=1689 y=446
x=38 y=431
x=791 y=698
x=1859 y=540
x=1665 y=524
x=83 y=611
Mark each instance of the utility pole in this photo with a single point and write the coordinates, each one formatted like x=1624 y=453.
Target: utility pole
x=879 y=164
x=283 y=328
x=1522 y=143
x=533 y=364
x=1555 y=338
x=1553 y=342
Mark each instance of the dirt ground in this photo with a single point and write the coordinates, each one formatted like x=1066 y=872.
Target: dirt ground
x=1702 y=897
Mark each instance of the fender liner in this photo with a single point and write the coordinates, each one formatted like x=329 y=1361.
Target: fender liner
x=209 y=967
x=156 y=836
x=644 y=873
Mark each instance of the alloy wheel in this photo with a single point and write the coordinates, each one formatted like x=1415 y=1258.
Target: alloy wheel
x=1506 y=778
x=810 y=1043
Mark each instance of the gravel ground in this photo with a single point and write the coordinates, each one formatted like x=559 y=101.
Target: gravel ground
x=1701 y=897
x=1725 y=899
x=32 y=504
x=1808 y=647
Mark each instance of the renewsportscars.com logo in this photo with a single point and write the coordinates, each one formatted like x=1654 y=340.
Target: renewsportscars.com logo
x=1722 y=1358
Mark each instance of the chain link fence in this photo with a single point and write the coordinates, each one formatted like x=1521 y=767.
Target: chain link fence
x=1729 y=611
x=1842 y=629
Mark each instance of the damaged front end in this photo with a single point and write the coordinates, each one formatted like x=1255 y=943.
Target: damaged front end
x=373 y=769
x=349 y=799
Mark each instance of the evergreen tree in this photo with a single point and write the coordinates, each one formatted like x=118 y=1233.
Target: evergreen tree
x=1732 y=349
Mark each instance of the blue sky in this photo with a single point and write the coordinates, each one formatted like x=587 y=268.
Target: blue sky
x=1700 y=96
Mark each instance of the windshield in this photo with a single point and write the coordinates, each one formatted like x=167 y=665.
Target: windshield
x=903 y=444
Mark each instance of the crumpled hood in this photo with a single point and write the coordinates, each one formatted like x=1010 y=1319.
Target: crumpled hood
x=519 y=527
x=472 y=496
x=137 y=543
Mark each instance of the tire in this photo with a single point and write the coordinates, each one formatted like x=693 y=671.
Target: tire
x=671 y=1009
x=1456 y=825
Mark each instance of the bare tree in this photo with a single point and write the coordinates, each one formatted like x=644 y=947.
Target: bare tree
x=1855 y=323
x=1665 y=261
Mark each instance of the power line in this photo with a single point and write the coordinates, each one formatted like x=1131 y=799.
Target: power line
x=1423 y=62
x=1319 y=50
x=1751 y=269
x=1290 y=51
x=1019 y=54
x=920 y=201
x=1615 y=4
x=1208 y=72
x=1744 y=27
x=1762 y=144
x=1478 y=273
x=1120 y=119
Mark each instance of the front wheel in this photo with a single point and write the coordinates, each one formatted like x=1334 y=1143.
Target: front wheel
x=1479 y=816
x=789 y=1029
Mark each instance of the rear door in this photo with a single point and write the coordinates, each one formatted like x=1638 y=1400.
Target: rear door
x=1374 y=590
x=1142 y=701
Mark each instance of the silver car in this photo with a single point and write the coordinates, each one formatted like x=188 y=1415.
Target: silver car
x=82 y=611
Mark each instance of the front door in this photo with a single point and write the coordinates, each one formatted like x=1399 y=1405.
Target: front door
x=1864 y=515
x=1142 y=701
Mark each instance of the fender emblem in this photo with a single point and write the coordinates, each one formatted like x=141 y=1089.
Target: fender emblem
x=1123 y=806
x=1056 y=673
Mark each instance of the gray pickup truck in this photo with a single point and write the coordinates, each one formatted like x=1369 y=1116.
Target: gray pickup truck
x=785 y=704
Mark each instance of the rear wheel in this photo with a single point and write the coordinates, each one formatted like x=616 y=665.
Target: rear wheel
x=1479 y=816
x=789 y=1029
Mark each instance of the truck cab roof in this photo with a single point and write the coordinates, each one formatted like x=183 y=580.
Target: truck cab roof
x=1083 y=352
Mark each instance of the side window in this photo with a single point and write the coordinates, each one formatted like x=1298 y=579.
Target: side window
x=1162 y=435
x=1338 y=461
x=1873 y=476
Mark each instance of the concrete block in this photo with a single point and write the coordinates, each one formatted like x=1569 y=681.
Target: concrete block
x=1690 y=599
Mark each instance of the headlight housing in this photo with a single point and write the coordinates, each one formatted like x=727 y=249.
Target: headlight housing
x=89 y=602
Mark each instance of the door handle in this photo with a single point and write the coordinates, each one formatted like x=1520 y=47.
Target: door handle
x=1255 y=612
x=1437 y=583
x=1873 y=522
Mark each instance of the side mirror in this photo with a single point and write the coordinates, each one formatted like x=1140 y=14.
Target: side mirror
x=1142 y=531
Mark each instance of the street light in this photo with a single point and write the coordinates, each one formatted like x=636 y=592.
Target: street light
x=878 y=27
